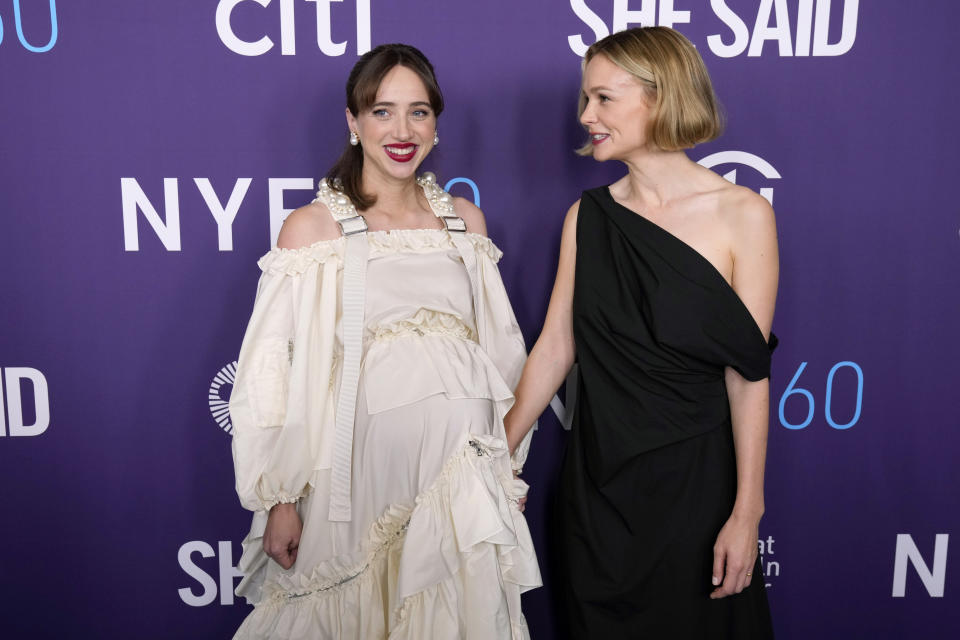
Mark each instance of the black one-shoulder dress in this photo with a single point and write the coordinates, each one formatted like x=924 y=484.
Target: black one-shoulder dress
x=649 y=474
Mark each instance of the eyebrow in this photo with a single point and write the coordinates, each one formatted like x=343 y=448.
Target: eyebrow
x=393 y=104
x=598 y=88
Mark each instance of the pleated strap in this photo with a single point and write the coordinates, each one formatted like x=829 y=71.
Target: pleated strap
x=354 y=288
x=354 y=228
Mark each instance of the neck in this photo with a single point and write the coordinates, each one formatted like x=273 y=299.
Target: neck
x=394 y=196
x=655 y=177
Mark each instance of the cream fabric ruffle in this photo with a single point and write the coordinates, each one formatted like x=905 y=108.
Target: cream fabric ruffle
x=401 y=371
x=296 y=261
x=427 y=570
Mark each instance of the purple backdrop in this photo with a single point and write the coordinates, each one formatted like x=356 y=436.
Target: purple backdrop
x=145 y=150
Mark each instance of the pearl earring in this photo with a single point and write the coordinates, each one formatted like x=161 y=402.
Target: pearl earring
x=436 y=138
x=354 y=140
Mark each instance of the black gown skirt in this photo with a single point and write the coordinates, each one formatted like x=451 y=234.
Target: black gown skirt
x=649 y=475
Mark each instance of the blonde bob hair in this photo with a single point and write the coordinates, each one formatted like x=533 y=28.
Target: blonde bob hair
x=685 y=109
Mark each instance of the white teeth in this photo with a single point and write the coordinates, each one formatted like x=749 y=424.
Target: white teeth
x=401 y=151
x=599 y=136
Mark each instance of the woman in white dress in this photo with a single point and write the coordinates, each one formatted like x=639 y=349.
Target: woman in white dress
x=369 y=399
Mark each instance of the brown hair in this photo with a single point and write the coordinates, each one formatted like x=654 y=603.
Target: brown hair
x=686 y=111
x=362 y=86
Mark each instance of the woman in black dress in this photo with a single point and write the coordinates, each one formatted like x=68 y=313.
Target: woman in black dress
x=664 y=296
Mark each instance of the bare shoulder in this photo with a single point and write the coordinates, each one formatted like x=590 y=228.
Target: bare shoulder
x=307 y=225
x=471 y=215
x=572 y=214
x=568 y=235
x=745 y=207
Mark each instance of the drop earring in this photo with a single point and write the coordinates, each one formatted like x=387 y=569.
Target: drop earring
x=436 y=138
x=354 y=140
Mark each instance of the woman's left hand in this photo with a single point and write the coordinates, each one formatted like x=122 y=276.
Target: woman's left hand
x=734 y=556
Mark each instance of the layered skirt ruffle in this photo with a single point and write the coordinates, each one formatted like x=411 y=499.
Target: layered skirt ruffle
x=452 y=565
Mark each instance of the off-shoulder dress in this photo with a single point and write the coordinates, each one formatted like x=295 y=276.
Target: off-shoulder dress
x=433 y=544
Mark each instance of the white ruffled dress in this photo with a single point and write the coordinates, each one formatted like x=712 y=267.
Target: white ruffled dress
x=436 y=547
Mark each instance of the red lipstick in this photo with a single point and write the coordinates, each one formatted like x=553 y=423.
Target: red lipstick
x=401 y=152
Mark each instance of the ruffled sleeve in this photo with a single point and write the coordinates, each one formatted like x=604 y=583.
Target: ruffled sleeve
x=501 y=335
x=282 y=403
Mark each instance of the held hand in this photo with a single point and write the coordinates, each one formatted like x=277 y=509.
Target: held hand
x=522 y=502
x=282 y=535
x=734 y=556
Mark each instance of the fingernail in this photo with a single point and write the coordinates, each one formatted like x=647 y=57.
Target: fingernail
x=716 y=581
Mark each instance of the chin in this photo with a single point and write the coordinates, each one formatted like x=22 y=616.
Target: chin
x=399 y=171
x=407 y=171
x=601 y=156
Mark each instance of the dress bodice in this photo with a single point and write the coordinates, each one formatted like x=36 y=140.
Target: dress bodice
x=418 y=291
x=420 y=331
x=655 y=325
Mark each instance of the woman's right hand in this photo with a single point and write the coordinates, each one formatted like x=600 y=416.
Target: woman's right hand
x=554 y=353
x=282 y=535
x=521 y=502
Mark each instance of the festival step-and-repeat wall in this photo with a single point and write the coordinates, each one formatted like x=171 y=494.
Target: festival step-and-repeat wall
x=150 y=151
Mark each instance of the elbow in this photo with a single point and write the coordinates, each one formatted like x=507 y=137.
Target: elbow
x=557 y=350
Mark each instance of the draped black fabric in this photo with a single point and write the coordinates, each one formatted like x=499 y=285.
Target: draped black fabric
x=649 y=476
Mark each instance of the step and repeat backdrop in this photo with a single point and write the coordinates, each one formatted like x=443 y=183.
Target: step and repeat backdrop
x=150 y=151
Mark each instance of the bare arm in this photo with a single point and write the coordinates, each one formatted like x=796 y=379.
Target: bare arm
x=553 y=354
x=755 y=275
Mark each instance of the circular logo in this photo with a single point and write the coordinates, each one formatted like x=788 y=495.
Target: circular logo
x=747 y=159
x=220 y=407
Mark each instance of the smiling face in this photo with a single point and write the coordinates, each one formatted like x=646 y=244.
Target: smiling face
x=396 y=132
x=617 y=110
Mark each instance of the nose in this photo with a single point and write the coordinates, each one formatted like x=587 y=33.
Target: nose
x=587 y=117
x=403 y=129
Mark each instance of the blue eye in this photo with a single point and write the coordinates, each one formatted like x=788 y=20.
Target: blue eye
x=603 y=98
x=381 y=113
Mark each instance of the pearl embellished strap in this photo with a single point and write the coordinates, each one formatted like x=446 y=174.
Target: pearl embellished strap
x=441 y=203
x=336 y=201
x=341 y=209
x=350 y=220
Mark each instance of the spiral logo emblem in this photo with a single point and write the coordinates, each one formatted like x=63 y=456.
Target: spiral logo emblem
x=220 y=406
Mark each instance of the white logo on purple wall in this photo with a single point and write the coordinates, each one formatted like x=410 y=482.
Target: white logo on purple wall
x=747 y=159
x=738 y=33
x=204 y=572
x=220 y=406
x=933 y=576
x=134 y=200
x=167 y=227
x=769 y=567
x=288 y=16
x=12 y=421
